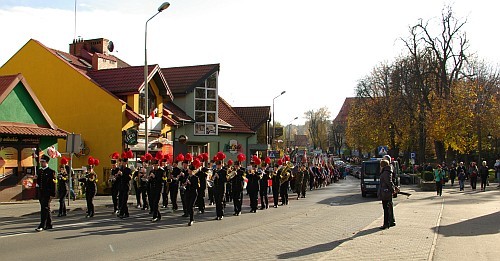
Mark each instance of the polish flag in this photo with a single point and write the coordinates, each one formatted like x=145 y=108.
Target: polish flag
x=153 y=113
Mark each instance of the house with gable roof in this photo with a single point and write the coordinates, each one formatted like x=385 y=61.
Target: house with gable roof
x=91 y=92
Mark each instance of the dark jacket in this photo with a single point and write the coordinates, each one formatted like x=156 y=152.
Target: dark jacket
x=483 y=171
x=46 y=181
x=90 y=184
x=386 y=186
x=253 y=181
x=237 y=182
x=125 y=178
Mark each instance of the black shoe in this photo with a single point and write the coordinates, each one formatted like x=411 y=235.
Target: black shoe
x=262 y=208
x=185 y=215
x=384 y=227
x=392 y=225
x=49 y=227
x=267 y=206
x=235 y=214
x=275 y=206
x=190 y=223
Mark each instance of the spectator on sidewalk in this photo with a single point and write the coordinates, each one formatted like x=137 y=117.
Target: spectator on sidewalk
x=483 y=173
x=473 y=175
x=497 y=171
x=461 y=179
x=453 y=174
x=384 y=193
x=439 y=178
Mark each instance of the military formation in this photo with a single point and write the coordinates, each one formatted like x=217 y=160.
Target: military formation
x=158 y=182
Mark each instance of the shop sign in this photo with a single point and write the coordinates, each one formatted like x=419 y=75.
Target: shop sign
x=131 y=136
x=33 y=140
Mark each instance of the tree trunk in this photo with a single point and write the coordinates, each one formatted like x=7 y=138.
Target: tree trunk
x=440 y=150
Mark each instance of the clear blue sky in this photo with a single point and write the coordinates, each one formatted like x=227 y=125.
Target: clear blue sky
x=316 y=50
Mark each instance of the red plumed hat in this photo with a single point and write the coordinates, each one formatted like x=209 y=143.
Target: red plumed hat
x=280 y=162
x=188 y=157
x=287 y=158
x=204 y=156
x=96 y=162
x=159 y=155
x=115 y=155
x=124 y=155
x=256 y=160
x=148 y=156
x=90 y=161
x=196 y=163
x=215 y=158
x=267 y=160
x=143 y=158
x=221 y=155
x=230 y=162
x=241 y=157
x=166 y=157
x=130 y=154
x=180 y=157
x=64 y=160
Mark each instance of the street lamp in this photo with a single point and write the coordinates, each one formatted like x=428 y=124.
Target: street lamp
x=162 y=7
x=274 y=126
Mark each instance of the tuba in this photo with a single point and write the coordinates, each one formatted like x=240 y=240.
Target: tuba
x=231 y=173
x=285 y=173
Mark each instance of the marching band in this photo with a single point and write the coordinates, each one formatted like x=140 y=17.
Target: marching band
x=161 y=177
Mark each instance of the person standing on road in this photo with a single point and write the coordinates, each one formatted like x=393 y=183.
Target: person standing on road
x=305 y=180
x=497 y=171
x=202 y=176
x=483 y=173
x=461 y=179
x=192 y=184
x=473 y=172
x=384 y=193
x=237 y=184
x=453 y=173
x=90 y=183
x=439 y=178
x=264 y=200
x=276 y=182
x=299 y=178
x=62 y=188
x=156 y=182
x=46 y=188
x=114 y=179
x=253 y=177
x=220 y=178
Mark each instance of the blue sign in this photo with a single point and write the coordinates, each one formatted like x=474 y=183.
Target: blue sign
x=273 y=154
x=413 y=155
x=382 y=150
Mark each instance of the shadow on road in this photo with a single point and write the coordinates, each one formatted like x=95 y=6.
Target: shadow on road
x=483 y=225
x=325 y=247
x=350 y=199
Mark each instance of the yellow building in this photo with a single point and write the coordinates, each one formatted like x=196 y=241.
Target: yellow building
x=90 y=92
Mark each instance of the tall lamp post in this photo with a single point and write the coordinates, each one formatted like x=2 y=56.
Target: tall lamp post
x=162 y=7
x=274 y=126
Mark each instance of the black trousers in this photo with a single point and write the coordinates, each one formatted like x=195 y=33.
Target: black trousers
x=284 y=193
x=173 y=196
x=164 y=195
x=388 y=212
x=190 y=199
x=183 y=201
x=89 y=197
x=264 y=200
x=200 y=200
x=439 y=188
x=45 y=214
x=114 y=197
x=155 y=202
x=144 y=195
x=237 y=201
x=123 y=200
x=276 y=194
x=211 y=195
x=484 y=180
x=254 y=198
x=304 y=188
x=219 y=208
x=473 y=182
x=62 y=202
x=149 y=191
x=137 y=194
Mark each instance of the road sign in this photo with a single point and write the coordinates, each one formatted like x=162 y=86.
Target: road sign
x=413 y=155
x=382 y=150
x=273 y=154
x=73 y=143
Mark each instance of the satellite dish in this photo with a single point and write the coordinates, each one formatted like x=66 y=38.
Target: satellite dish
x=111 y=46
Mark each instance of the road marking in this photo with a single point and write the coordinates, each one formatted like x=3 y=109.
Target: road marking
x=436 y=232
x=111 y=247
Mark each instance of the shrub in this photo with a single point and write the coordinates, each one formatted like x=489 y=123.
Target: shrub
x=428 y=176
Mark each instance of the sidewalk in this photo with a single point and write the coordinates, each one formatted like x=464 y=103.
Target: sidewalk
x=458 y=225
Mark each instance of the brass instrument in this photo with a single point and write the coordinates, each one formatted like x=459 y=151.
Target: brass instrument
x=231 y=173
x=285 y=172
x=210 y=182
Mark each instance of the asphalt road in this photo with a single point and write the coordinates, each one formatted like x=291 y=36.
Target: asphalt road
x=305 y=229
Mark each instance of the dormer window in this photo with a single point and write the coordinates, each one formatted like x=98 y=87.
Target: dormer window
x=205 y=107
x=151 y=103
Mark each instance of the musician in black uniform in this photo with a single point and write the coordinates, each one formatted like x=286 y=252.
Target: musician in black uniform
x=284 y=188
x=174 y=186
x=62 y=189
x=305 y=180
x=143 y=182
x=90 y=183
x=114 y=178
x=182 y=188
x=200 y=199
x=264 y=181
x=253 y=185
x=166 y=186
x=237 y=184
x=219 y=189
x=125 y=174
x=210 y=183
x=136 y=183
x=155 y=181
x=192 y=185
x=276 y=183
x=46 y=188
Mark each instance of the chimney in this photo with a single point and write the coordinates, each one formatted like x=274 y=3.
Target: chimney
x=94 y=51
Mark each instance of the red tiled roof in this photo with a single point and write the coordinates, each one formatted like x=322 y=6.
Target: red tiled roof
x=254 y=116
x=121 y=80
x=177 y=113
x=182 y=80
x=227 y=114
x=169 y=121
x=5 y=83
x=344 y=111
x=11 y=128
x=133 y=116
